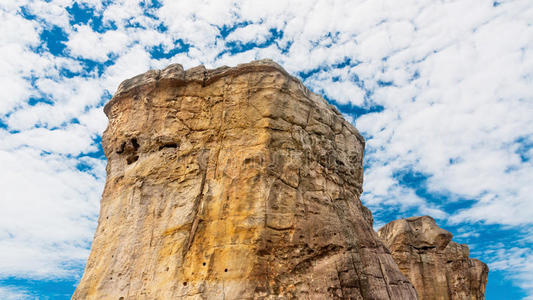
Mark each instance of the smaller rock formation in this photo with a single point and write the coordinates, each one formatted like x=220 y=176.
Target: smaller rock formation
x=437 y=267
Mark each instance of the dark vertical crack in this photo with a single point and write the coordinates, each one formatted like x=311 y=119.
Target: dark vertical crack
x=223 y=291
x=197 y=201
x=204 y=80
x=357 y=273
x=385 y=278
x=340 y=281
x=133 y=253
x=220 y=130
x=421 y=269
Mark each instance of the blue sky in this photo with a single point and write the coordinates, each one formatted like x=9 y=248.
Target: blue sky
x=441 y=90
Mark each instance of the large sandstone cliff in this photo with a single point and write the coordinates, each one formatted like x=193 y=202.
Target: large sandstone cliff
x=233 y=183
x=439 y=268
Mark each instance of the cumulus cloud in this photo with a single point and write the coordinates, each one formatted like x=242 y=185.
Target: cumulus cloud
x=18 y=35
x=47 y=212
x=86 y=43
x=461 y=117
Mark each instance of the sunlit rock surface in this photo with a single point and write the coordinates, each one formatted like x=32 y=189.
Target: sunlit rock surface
x=233 y=183
x=438 y=267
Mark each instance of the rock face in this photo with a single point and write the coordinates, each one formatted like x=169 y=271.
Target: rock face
x=438 y=267
x=233 y=183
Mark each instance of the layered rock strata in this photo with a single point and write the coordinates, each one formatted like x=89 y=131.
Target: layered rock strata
x=438 y=267
x=233 y=183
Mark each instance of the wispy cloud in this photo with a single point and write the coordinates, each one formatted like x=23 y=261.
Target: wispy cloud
x=13 y=293
x=517 y=264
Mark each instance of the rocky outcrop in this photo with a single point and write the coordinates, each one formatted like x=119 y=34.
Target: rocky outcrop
x=438 y=267
x=233 y=183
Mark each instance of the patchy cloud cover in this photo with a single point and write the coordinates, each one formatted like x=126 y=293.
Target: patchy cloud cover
x=441 y=90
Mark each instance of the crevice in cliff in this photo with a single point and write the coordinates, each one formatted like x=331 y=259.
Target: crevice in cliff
x=135 y=144
x=197 y=205
x=168 y=145
x=131 y=159
x=385 y=278
x=220 y=131
x=356 y=269
x=341 y=285
x=204 y=80
x=307 y=263
x=424 y=249
x=120 y=149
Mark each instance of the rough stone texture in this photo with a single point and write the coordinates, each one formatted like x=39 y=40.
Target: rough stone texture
x=438 y=267
x=233 y=183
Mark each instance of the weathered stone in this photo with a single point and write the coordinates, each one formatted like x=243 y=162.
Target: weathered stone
x=233 y=183
x=438 y=267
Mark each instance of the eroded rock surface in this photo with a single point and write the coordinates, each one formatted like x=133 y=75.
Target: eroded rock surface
x=233 y=183
x=438 y=267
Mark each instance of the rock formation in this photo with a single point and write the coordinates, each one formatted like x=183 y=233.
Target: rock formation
x=233 y=183
x=438 y=267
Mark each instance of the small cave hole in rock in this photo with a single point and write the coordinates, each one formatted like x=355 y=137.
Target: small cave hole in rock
x=132 y=159
x=121 y=298
x=262 y=252
x=166 y=269
x=203 y=264
x=185 y=283
x=226 y=270
x=134 y=143
x=168 y=145
x=205 y=79
x=120 y=149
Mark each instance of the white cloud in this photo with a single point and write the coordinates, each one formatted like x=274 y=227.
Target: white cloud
x=85 y=43
x=517 y=263
x=47 y=213
x=342 y=89
x=254 y=33
x=132 y=63
x=70 y=97
x=52 y=12
x=470 y=108
x=94 y=120
x=73 y=139
x=13 y=293
x=18 y=34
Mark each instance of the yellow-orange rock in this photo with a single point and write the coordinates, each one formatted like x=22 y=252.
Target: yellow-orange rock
x=233 y=183
x=439 y=268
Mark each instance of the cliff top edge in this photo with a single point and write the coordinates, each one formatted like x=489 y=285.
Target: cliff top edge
x=199 y=74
